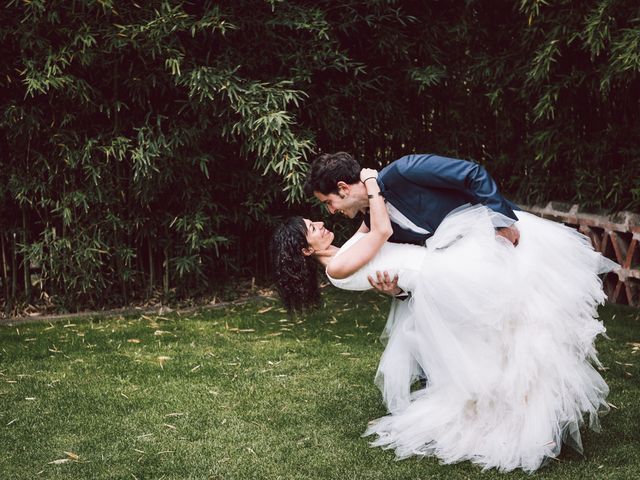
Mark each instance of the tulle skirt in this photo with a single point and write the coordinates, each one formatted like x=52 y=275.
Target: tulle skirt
x=505 y=337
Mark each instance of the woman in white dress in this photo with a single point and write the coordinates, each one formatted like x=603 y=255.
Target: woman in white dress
x=504 y=334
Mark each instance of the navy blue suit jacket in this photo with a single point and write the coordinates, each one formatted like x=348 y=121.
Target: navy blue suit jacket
x=425 y=188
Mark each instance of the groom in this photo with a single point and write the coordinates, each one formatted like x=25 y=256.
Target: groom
x=419 y=190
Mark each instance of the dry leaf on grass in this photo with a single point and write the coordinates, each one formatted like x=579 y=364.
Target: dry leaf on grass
x=134 y=340
x=163 y=359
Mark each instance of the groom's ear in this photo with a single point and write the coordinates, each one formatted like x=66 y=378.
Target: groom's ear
x=343 y=189
x=307 y=251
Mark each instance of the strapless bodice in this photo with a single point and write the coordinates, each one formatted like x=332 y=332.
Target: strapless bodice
x=402 y=259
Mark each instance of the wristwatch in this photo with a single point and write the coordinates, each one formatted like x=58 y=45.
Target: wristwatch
x=403 y=295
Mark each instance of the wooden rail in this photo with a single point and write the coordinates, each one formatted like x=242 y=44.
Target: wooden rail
x=615 y=236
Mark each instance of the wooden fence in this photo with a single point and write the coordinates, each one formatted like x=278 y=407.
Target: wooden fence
x=615 y=236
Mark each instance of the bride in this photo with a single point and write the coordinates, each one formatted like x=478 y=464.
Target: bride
x=504 y=334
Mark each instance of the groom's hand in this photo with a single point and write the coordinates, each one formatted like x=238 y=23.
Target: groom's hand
x=385 y=284
x=512 y=234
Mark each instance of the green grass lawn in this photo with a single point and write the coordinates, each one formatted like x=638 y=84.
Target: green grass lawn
x=246 y=393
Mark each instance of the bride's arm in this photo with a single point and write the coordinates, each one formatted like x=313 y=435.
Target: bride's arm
x=363 y=228
x=341 y=266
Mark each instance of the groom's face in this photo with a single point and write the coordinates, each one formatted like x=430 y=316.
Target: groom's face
x=344 y=202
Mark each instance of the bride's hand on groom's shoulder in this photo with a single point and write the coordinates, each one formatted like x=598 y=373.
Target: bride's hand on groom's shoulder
x=367 y=173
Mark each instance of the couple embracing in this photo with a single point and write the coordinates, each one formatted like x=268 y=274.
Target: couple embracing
x=496 y=307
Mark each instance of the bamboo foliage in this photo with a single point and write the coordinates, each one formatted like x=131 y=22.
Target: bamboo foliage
x=149 y=146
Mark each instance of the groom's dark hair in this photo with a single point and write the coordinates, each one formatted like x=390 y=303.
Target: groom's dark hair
x=329 y=169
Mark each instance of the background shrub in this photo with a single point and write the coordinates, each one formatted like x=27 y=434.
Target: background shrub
x=150 y=146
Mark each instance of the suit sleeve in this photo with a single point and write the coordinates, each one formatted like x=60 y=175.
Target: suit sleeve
x=452 y=173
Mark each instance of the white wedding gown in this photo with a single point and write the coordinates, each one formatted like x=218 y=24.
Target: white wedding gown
x=504 y=335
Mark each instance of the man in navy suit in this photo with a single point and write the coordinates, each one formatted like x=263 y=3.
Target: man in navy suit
x=419 y=190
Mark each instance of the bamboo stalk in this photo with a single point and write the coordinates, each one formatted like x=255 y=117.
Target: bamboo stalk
x=127 y=282
x=151 y=269
x=14 y=268
x=5 y=282
x=25 y=261
x=165 y=282
x=123 y=287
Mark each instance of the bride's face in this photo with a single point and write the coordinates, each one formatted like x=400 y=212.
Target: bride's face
x=318 y=237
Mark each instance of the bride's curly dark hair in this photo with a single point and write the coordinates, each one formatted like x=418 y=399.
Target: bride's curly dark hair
x=296 y=275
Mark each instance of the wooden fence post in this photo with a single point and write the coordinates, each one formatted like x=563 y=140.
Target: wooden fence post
x=615 y=236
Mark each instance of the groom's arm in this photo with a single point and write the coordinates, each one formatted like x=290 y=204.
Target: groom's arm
x=512 y=234
x=387 y=285
x=452 y=173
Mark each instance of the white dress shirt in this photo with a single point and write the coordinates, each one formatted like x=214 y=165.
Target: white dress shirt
x=398 y=218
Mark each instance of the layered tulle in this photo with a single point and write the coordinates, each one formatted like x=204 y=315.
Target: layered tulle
x=505 y=337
